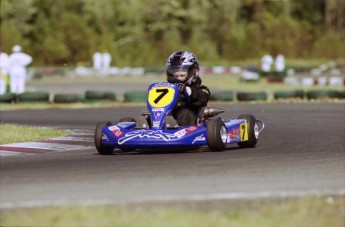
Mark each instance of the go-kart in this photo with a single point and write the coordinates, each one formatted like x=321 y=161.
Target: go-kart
x=156 y=128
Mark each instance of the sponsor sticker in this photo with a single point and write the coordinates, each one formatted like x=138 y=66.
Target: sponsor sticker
x=234 y=134
x=244 y=131
x=180 y=133
x=155 y=124
x=160 y=97
x=158 y=109
x=199 y=138
x=191 y=129
x=116 y=131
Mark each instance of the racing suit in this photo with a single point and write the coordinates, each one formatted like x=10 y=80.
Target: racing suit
x=188 y=106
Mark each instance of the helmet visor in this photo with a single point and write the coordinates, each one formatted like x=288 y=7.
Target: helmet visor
x=177 y=68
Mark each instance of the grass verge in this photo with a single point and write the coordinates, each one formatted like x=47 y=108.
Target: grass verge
x=306 y=211
x=11 y=133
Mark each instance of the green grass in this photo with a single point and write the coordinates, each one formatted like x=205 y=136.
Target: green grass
x=11 y=133
x=297 y=212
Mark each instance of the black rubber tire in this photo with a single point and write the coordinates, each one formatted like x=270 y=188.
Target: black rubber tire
x=289 y=94
x=322 y=94
x=299 y=94
x=341 y=94
x=214 y=139
x=33 y=97
x=67 y=98
x=251 y=96
x=252 y=140
x=135 y=96
x=222 y=96
x=102 y=150
x=7 y=97
x=99 y=95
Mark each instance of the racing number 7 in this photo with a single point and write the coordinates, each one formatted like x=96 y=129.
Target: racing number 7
x=164 y=91
x=243 y=126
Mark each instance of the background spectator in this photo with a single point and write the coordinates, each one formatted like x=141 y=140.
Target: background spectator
x=18 y=63
x=4 y=66
x=266 y=63
x=280 y=63
x=106 y=60
x=97 y=61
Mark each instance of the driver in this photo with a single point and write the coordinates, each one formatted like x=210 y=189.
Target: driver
x=182 y=67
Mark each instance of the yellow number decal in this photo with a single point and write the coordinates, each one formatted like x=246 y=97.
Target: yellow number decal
x=161 y=96
x=244 y=131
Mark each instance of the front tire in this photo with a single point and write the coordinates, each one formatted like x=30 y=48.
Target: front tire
x=216 y=134
x=102 y=150
x=253 y=131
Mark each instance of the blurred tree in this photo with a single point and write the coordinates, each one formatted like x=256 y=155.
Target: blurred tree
x=145 y=32
x=15 y=23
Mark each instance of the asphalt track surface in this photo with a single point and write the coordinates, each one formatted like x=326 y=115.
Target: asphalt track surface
x=300 y=152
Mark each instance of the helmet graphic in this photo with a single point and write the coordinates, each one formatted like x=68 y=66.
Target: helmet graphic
x=182 y=61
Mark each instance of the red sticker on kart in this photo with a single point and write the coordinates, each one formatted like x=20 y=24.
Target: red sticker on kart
x=116 y=131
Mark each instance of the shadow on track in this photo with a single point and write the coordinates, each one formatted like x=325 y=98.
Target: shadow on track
x=168 y=151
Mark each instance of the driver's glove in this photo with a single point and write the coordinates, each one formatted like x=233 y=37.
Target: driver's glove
x=183 y=89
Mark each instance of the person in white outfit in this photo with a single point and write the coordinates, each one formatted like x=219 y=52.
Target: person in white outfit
x=97 y=61
x=280 y=63
x=4 y=66
x=18 y=63
x=266 y=63
x=106 y=59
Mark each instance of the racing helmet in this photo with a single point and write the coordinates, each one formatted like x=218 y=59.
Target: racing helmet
x=182 y=61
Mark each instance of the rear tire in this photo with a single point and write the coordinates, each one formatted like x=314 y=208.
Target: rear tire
x=216 y=134
x=252 y=127
x=102 y=150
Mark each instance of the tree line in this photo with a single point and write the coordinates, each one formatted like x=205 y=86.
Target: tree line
x=145 y=32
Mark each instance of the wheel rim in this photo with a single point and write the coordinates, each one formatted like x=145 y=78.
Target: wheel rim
x=223 y=135
x=256 y=130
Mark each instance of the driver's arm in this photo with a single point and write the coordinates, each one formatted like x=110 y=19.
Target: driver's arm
x=200 y=96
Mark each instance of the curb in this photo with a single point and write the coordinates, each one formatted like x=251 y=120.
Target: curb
x=75 y=141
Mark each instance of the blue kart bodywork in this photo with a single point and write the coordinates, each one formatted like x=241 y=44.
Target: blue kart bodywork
x=126 y=135
x=162 y=98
